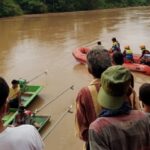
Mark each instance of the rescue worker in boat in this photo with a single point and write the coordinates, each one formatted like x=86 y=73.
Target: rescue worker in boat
x=14 y=95
x=99 y=46
x=128 y=54
x=145 y=57
x=115 y=45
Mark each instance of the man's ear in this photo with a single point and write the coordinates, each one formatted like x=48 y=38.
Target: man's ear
x=90 y=70
x=3 y=110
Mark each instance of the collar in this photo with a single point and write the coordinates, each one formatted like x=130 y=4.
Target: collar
x=95 y=81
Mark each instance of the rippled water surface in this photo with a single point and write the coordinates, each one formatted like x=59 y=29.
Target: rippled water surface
x=30 y=45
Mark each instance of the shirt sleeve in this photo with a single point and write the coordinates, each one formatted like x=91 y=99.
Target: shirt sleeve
x=81 y=121
x=38 y=143
x=97 y=141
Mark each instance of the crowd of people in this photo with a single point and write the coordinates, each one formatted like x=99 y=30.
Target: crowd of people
x=108 y=114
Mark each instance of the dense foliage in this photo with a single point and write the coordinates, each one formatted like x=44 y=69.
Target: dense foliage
x=17 y=7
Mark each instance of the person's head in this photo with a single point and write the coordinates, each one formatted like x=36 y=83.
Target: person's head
x=4 y=91
x=98 y=61
x=127 y=47
x=117 y=58
x=142 y=47
x=114 y=39
x=115 y=83
x=144 y=93
x=15 y=83
x=99 y=43
x=21 y=109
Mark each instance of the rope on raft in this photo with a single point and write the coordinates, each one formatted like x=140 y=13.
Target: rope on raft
x=57 y=122
x=71 y=87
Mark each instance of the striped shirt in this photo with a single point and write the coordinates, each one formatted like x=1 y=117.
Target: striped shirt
x=125 y=132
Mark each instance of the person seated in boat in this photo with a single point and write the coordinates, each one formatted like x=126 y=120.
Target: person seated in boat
x=145 y=57
x=128 y=54
x=144 y=50
x=115 y=45
x=14 y=95
x=24 y=117
x=144 y=96
x=117 y=58
x=21 y=117
x=99 y=46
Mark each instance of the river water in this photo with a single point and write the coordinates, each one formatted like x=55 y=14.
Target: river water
x=31 y=45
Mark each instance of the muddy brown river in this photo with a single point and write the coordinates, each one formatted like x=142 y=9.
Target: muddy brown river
x=31 y=45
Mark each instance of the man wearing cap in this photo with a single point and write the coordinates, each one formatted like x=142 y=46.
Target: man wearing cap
x=118 y=127
x=87 y=108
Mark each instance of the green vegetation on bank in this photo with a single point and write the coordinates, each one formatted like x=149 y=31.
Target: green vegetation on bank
x=18 y=7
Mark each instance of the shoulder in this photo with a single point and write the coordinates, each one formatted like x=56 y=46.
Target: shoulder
x=99 y=124
x=24 y=129
x=103 y=122
x=83 y=92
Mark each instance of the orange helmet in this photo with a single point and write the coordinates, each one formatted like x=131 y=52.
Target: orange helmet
x=127 y=47
x=142 y=46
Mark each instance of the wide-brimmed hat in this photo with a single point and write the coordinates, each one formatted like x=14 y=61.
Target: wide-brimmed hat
x=115 y=82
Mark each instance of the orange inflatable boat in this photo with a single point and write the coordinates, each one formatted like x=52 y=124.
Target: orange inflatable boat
x=138 y=67
x=80 y=54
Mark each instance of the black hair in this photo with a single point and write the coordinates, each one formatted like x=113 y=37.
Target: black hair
x=118 y=58
x=15 y=82
x=98 y=61
x=114 y=39
x=144 y=93
x=99 y=43
x=21 y=109
x=4 y=91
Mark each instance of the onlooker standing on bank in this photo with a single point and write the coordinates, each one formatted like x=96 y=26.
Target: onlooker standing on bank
x=98 y=61
x=118 y=127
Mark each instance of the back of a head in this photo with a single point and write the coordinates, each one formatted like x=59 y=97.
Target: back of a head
x=142 y=47
x=144 y=93
x=99 y=43
x=118 y=58
x=98 y=61
x=114 y=39
x=15 y=81
x=4 y=91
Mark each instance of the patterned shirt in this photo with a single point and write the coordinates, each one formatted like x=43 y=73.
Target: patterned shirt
x=87 y=108
x=125 y=132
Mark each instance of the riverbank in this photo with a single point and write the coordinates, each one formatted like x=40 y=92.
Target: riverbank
x=17 y=7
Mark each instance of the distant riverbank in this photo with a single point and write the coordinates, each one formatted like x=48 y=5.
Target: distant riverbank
x=20 y=7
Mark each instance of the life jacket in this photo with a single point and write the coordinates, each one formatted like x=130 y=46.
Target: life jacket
x=147 y=57
x=116 y=47
x=129 y=54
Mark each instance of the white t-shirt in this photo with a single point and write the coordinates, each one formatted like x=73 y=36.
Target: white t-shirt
x=24 y=137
